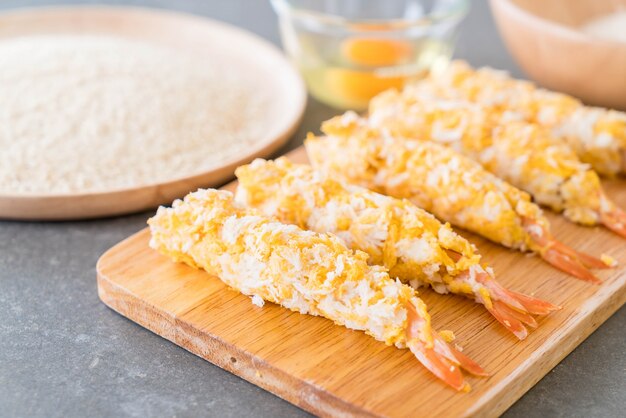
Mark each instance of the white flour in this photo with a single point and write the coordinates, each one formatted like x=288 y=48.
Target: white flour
x=611 y=26
x=92 y=113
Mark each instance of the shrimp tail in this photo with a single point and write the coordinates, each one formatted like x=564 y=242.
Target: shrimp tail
x=503 y=314
x=438 y=364
x=436 y=355
x=614 y=218
x=557 y=253
x=533 y=305
x=513 y=310
x=456 y=357
x=585 y=259
x=570 y=265
x=517 y=300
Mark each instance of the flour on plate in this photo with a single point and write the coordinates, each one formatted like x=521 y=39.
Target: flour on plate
x=94 y=113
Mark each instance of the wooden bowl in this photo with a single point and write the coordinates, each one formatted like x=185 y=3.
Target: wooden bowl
x=543 y=37
x=226 y=44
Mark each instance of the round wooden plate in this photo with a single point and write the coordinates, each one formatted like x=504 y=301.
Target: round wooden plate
x=177 y=30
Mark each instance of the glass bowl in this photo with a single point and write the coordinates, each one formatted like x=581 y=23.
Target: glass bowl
x=350 y=50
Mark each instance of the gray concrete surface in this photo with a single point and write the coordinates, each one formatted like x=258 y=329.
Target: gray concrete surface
x=65 y=354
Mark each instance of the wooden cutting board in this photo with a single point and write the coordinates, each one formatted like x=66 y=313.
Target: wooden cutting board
x=330 y=370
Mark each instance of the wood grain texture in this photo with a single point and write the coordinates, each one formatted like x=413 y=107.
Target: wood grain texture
x=228 y=45
x=332 y=371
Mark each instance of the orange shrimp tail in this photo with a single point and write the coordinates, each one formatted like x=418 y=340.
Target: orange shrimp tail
x=455 y=356
x=569 y=265
x=585 y=259
x=615 y=220
x=439 y=358
x=558 y=254
x=438 y=365
x=502 y=313
x=533 y=305
x=513 y=310
x=523 y=317
x=592 y=262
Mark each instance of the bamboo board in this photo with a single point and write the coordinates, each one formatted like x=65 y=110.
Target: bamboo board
x=332 y=371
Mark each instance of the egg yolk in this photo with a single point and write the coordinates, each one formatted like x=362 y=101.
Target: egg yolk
x=358 y=87
x=375 y=52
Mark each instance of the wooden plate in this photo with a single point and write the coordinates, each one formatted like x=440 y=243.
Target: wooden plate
x=173 y=30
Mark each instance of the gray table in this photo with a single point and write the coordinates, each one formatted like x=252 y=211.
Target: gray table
x=64 y=353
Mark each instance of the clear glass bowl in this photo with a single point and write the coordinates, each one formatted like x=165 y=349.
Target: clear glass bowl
x=350 y=50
